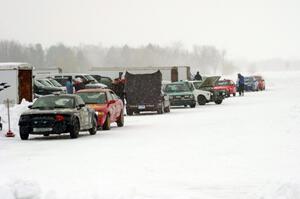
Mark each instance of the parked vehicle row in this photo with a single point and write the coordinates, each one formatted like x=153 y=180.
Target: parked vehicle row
x=253 y=83
x=89 y=109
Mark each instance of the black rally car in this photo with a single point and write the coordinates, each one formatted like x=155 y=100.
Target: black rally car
x=57 y=114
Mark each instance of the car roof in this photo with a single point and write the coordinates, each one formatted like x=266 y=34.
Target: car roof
x=94 y=90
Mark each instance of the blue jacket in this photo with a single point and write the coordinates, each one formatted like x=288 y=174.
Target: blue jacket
x=69 y=87
x=241 y=79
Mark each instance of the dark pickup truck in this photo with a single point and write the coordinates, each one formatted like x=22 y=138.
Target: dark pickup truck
x=144 y=93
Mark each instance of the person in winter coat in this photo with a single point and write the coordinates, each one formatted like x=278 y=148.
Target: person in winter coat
x=69 y=86
x=197 y=76
x=79 y=84
x=118 y=87
x=241 y=84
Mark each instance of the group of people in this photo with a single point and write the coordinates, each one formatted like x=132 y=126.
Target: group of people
x=117 y=86
x=240 y=82
x=78 y=85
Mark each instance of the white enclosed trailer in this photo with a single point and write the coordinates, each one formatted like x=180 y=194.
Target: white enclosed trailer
x=169 y=73
x=15 y=82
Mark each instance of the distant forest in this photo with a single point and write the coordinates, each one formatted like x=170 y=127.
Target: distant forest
x=206 y=59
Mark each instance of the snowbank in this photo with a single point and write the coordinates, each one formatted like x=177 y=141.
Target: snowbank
x=247 y=147
x=15 y=113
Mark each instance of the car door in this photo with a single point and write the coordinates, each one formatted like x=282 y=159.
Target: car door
x=111 y=106
x=118 y=104
x=85 y=117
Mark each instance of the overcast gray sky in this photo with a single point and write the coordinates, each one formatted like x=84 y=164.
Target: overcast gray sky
x=250 y=29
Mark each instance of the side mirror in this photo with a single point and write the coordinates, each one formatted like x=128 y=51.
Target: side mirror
x=30 y=106
x=80 y=106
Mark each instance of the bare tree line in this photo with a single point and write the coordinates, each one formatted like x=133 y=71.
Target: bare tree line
x=206 y=59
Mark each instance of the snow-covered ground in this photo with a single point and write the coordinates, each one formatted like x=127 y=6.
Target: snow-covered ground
x=246 y=148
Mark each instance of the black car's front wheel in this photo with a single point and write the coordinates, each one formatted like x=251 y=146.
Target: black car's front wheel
x=24 y=134
x=94 y=128
x=74 y=129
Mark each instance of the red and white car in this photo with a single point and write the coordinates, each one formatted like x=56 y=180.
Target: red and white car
x=107 y=105
x=228 y=85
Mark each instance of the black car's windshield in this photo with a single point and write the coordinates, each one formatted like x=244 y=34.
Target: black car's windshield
x=93 y=97
x=51 y=102
x=171 y=88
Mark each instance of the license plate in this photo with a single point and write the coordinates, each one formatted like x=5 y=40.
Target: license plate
x=141 y=107
x=42 y=129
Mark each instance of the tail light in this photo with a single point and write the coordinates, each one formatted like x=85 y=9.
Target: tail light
x=59 y=118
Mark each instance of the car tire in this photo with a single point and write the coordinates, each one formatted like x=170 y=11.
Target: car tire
x=74 y=129
x=219 y=101
x=106 y=125
x=161 y=109
x=201 y=100
x=120 y=121
x=24 y=135
x=167 y=109
x=129 y=111
x=94 y=128
x=193 y=105
x=46 y=134
x=233 y=94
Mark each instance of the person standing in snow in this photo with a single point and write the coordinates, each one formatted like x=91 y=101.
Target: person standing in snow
x=198 y=76
x=69 y=86
x=241 y=84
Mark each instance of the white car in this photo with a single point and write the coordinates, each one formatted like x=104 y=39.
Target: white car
x=204 y=91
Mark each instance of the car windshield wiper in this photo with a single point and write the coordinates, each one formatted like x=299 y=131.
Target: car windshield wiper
x=60 y=107
x=41 y=107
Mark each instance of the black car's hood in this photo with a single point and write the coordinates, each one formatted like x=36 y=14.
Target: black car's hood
x=210 y=81
x=53 y=111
